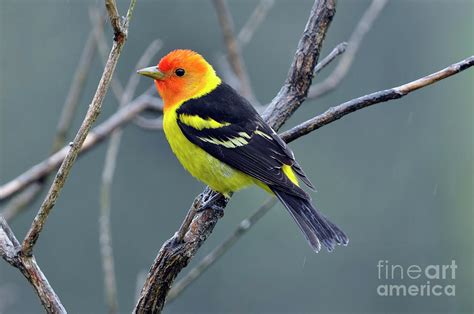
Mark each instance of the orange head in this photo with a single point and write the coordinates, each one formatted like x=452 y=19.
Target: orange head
x=182 y=75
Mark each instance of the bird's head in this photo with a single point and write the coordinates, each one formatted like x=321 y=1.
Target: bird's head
x=182 y=75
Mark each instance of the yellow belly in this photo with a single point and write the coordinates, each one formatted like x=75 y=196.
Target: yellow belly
x=219 y=176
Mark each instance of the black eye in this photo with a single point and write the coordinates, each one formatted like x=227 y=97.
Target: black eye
x=179 y=72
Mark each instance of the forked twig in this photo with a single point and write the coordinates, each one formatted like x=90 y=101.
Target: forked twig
x=91 y=115
x=244 y=226
x=341 y=70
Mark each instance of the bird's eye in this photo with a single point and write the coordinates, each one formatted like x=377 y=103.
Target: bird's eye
x=179 y=72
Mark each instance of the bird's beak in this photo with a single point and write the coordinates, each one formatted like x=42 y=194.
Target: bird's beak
x=152 y=72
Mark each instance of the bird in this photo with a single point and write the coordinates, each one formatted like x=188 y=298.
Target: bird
x=220 y=138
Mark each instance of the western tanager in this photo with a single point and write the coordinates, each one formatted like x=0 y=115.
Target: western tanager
x=221 y=140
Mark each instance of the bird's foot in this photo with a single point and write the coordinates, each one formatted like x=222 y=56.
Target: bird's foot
x=209 y=200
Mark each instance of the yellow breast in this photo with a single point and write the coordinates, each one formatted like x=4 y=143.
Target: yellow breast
x=219 y=176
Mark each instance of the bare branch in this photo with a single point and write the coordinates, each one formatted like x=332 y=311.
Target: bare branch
x=75 y=91
x=103 y=47
x=96 y=136
x=21 y=256
x=105 y=231
x=65 y=168
x=8 y=242
x=327 y=117
x=21 y=201
x=233 y=49
x=174 y=255
x=298 y=81
x=364 y=25
x=337 y=112
x=244 y=226
x=153 y=124
x=114 y=18
x=9 y=250
x=258 y=16
x=338 y=50
x=125 y=115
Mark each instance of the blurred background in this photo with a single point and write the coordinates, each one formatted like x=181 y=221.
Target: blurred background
x=396 y=177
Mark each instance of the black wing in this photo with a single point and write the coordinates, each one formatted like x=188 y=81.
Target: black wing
x=243 y=141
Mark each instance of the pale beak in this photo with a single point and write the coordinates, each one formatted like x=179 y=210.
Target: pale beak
x=152 y=72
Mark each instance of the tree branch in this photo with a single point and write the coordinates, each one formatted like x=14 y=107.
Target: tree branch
x=298 y=81
x=327 y=117
x=21 y=256
x=21 y=201
x=258 y=16
x=96 y=136
x=338 y=50
x=114 y=17
x=341 y=70
x=76 y=89
x=244 y=226
x=9 y=250
x=91 y=115
x=233 y=49
x=337 y=112
x=105 y=232
x=175 y=255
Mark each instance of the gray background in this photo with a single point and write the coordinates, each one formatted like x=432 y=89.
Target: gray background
x=397 y=177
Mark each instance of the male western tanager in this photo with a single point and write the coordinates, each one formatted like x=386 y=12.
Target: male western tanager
x=222 y=140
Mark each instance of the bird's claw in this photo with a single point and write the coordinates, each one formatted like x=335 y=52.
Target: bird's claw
x=208 y=201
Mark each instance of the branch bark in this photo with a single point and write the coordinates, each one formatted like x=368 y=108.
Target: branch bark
x=21 y=256
x=341 y=70
x=9 y=250
x=91 y=116
x=338 y=50
x=95 y=136
x=21 y=201
x=337 y=112
x=244 y=226
x=174 y=254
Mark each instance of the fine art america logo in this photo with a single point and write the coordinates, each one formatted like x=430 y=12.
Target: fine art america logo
x=416 y=280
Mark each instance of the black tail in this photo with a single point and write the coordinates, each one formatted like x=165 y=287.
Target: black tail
x=316 y=228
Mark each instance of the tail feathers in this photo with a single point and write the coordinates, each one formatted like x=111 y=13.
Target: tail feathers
x=315 y=226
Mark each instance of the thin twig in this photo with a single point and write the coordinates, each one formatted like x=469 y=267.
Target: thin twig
x=175 y=255
x=22 y=256
x=233 y=50
x=76 y=89
x=304 y=128
x=258 y=16
x=341 y=70
x=105 y=231
x=327 y=117
x=95 y=136
x=114 y=18
x=220 y=250
x=8 y=242
x=153 y=124
x=338 y=50
x=337 y=112
x=9 y=250
x=243 y=38
x=116 y=85
x=96 y=19
x=66 y=166
x=21 y=201
x=103 y=130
